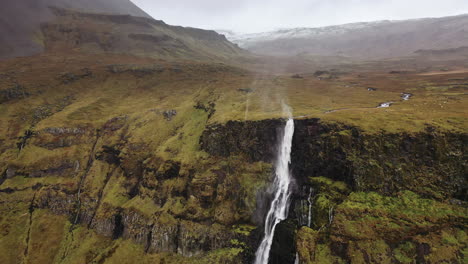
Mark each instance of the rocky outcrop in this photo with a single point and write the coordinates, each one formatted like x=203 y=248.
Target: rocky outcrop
x=256 y=139
x=15 y=92
x=431 y=163
x=379 y=189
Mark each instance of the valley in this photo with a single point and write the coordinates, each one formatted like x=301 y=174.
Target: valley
x=127 y=140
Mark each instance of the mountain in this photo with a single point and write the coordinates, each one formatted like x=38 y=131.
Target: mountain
x=31 y=27
x=20 y=20
x=124 y=34
x=367 y=40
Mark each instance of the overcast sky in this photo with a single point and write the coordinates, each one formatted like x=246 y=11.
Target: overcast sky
x=249 y=16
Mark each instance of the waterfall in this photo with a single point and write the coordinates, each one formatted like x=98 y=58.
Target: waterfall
x=309 y=214
x=280 y=205
x=296 y=261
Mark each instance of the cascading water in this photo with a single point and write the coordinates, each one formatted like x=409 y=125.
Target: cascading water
x=280 y=205
x=309 y=212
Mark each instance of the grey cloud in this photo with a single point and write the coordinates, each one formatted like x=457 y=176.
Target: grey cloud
x=263 y=15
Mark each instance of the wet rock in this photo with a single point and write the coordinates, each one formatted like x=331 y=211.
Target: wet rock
x=87 y=206
x=66 y=168
x=283 y=248
x=28 y=134
x=194 y=238
x=136 y=226
x=107 y=223
x=62 y=137
x=69 y=77
x=209 y=108
x=10 y=172
x=297 y=76
x=115 y=123
x=327 y=75
x=163 y=237
x=44 y=111
x=169 y=114
x=406 y=96
x=176 y=70
x=59 y=201
x=64 y=130
x=203 y=187
x=384 y=163
x=8 y=190
x=109 y=154
x=15 y=92
x=456 y=202
x=168 y=170
x=302 y=205
x=136 y=70
x=422 y=250
x=398 y=72
x=245 y=90
x=320 y=73
x=257 y=140
x=156 y=39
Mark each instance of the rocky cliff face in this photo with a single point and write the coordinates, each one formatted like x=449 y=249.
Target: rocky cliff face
x=404 y=193
x=356 y=190
x=120 y=159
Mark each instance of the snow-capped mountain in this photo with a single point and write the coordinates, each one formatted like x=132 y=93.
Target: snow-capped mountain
x=377 y=39
x=289 y=33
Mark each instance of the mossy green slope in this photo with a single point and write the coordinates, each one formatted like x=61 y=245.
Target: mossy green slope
x=103 y=157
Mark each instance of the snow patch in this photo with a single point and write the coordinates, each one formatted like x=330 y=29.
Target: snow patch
x=406 y=96
x=385 y=105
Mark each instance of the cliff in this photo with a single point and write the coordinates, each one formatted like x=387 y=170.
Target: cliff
x=111 y=158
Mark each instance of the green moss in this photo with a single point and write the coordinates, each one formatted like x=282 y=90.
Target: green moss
x=176 y=206
x=14 y=225
x=370 y=215
x=227 y=255
x=115 y=194
x=80 y=245
x=329 y=194
x=446 y=245
x=229 y=186
x=244 y=230
x=324 y=255
x=144 y=205
x=312 y=248
x=306 y=243
x=44 y=223
x=450 y=239
x=375 y=251
x=405 y=253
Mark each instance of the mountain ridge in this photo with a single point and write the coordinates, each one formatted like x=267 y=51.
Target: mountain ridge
x=399 y=37
x=125 y=30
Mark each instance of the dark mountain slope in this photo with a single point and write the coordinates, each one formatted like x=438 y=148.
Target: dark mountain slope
x=21 y=19
x=124 y=34
x=105 y=27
